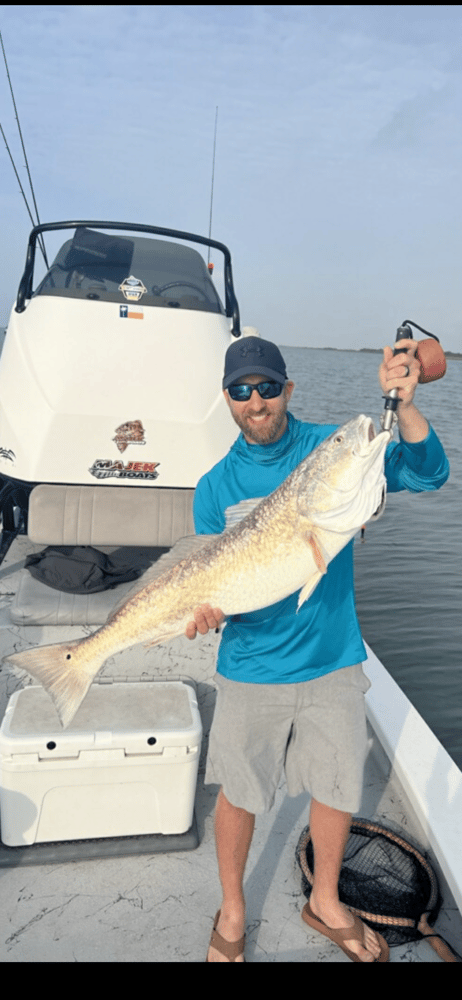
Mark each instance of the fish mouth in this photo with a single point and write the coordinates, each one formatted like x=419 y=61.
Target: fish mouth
x=371 y=431
x=366 y=436
x=371 y=448
x=370 y=442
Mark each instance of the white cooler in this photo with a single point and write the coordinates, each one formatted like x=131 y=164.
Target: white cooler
x=127 y=765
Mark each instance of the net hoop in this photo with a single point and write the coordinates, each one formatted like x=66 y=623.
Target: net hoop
x=361 y=826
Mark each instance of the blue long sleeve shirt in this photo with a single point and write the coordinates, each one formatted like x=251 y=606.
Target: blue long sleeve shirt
x=278 y=644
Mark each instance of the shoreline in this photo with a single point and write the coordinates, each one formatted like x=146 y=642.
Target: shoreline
x=451 y=355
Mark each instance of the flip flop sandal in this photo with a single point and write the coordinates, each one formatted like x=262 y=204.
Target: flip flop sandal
x=230 y=949
x=342 y=934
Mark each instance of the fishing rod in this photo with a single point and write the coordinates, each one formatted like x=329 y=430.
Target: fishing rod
x=17 y=176
x=41 y=242
x=209 y=265
x=432 y=366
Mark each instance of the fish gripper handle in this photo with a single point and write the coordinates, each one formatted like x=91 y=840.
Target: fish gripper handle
x=388 y=418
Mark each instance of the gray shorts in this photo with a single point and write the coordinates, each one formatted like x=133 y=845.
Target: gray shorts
x=314 y=731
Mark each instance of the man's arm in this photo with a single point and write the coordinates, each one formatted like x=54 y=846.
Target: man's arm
x=417 y=461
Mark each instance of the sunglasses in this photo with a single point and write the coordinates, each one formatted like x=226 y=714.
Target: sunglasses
x=267 y=390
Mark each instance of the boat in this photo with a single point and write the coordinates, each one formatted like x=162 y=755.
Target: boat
x=118 y=351
x=130 y=900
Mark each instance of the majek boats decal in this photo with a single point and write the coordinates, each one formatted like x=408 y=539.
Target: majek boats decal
x=7 y=453
x=106 y=468
x=132 y=288
x=130 y=433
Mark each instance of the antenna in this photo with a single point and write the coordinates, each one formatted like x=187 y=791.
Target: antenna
x=18 y=177
x=42 y=245
x=210 y=267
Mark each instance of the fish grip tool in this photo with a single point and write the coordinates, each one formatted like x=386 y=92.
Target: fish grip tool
x=387 y=882
x=432 y=361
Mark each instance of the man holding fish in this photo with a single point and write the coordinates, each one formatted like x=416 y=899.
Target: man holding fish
x=290 y=684
x=292 y=496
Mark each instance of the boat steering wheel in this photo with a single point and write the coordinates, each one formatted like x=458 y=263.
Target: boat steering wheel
x=179 y=284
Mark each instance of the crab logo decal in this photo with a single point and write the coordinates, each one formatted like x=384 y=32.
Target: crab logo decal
x=130 y=433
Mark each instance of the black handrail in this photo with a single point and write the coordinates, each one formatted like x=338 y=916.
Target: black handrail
x=25 y=285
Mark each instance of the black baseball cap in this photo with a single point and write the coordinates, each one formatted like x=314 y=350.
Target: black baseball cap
x=253 y=356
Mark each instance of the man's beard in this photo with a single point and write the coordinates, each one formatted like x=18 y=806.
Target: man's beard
x=271 y=431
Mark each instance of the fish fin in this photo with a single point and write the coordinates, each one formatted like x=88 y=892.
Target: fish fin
x=58 y=670
x=314 y=579
x=236 y=513
x=161 y=638
x=307 y=590
x=317 y=553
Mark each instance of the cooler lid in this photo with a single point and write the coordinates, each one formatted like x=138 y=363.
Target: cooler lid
x=140 y=717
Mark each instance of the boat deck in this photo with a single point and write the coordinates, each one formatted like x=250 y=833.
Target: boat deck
x=160 y=907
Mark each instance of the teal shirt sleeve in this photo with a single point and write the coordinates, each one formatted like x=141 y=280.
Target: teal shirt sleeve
x=208 y=518
x=418 y=467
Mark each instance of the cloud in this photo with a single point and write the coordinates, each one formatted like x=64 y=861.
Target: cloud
x=408 y=127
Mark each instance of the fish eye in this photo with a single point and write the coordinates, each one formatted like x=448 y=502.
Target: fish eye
x=339 y=439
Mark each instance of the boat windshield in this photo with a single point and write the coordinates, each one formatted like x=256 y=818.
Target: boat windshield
x=131 y=270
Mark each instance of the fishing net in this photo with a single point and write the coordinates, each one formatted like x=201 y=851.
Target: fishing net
x=386 y=881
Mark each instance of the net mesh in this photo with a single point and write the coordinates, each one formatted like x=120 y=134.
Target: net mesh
x=384 y=880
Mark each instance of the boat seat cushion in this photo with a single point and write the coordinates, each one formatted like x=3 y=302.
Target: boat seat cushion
x=109 y=515
x=36 y=604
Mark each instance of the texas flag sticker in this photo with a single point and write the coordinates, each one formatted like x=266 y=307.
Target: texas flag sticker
x=128 y=312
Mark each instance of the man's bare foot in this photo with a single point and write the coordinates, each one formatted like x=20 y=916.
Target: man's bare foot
x=231 y=928
x=336 y=916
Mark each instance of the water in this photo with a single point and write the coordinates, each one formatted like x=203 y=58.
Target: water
x=408 y=571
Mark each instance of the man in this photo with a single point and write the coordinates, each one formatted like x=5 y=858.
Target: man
x=291 y=686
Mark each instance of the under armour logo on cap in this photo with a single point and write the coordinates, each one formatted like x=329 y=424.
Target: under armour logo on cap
x=244 y=351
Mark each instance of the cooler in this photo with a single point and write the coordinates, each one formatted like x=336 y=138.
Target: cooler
x=127 y=765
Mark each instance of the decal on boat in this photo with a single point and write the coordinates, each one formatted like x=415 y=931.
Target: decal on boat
x=132 y=289
x=106 y=468
x=7 y=453
x=132 y=432
x=126 y=313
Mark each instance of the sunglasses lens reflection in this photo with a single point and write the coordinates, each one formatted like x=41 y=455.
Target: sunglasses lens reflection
x=267 y=390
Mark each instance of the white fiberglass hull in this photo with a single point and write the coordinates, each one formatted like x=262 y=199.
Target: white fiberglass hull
x=73 y=373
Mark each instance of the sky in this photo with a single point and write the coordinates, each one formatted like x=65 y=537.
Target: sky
x=338 y=155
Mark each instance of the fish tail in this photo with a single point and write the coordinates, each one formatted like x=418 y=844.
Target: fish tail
x=64 y=674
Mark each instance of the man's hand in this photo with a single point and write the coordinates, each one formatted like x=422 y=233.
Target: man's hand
x=401 y=372
x=205 y=618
